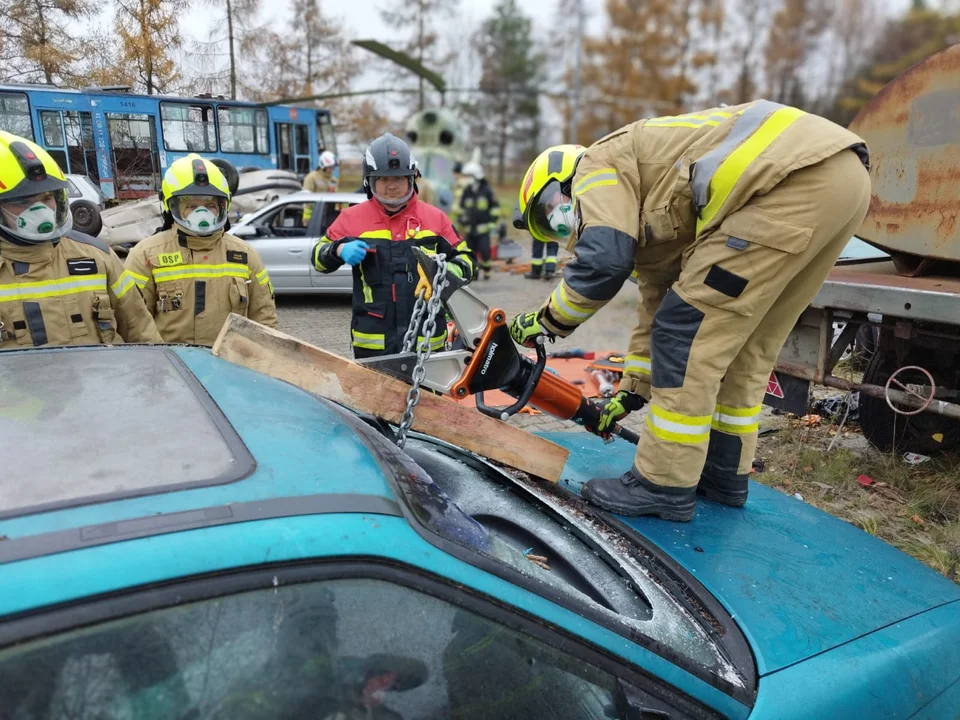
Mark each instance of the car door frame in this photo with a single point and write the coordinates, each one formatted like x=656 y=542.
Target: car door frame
x=286 y=247
x=640 y=689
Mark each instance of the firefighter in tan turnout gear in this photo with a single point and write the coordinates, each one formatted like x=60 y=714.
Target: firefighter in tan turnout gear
x=732 y=218
x=57 y=287
x=192 y=273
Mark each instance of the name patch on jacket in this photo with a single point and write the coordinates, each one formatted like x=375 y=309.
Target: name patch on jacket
x=237 y=256
x=168 y=259
x=81 y=266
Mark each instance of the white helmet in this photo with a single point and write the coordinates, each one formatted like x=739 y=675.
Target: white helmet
x=474 y=170
x=327 y=160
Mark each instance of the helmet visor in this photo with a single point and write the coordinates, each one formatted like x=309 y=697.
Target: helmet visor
x=551 y=217
x=37 y=218
x=199 y=214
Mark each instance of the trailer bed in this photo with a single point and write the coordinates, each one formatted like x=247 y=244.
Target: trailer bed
x=875 y=287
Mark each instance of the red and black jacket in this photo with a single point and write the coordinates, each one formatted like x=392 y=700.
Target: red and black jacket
x=384 y=282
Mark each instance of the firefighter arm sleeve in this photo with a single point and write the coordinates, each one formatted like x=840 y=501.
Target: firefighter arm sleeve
x=608 y=218
x=262 y=308
x=325 y=258
x=459 y=256
x=134 y=322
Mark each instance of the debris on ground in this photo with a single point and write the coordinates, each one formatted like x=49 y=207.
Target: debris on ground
x=834 y=408
x=915 y=458
x=538 y=560
x=810 y=421
x=865 y=480
x=529 y=411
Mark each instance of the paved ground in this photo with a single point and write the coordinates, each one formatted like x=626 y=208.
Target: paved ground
x=325 y=321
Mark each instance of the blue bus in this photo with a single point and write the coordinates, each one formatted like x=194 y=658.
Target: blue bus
x=125 y=141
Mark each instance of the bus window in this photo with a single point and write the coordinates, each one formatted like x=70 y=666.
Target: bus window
x=284 y=149
x=15 y=114
x=53 y=137
x=302 y=148
x=325 y=137
x=133 y=145
x=243 y=130
x=188 y=128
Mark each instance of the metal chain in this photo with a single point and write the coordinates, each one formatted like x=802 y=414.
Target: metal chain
x=424 y=349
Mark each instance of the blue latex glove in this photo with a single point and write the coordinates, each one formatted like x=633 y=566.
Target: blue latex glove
x=353 y=252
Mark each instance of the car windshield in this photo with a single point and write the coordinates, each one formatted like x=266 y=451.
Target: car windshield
x=458 y=502
x=339 y=648
x=72 y=190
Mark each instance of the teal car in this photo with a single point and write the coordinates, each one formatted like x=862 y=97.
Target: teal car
x=181 y=537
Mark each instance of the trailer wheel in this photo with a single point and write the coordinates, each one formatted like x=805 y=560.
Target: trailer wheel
x=888 y=431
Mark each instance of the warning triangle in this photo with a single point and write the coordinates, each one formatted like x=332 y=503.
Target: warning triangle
x=773 y=386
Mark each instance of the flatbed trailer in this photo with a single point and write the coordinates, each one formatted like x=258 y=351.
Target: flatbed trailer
x=903 y=310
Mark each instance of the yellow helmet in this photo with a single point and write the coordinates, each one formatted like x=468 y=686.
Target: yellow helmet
x=196 y=194
x=34 y=207
x=545 y=205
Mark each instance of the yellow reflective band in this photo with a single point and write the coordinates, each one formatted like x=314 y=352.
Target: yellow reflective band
x=141 y=280
x=536 y=262
x=637 y=364
x=368 y=341
x=598 y=178
x=367 y=291
x=691 y=120
x=39 y=289
x=316 y=253
x=123 y=284
x=436 y=343
x=377 y=234
x=167 y=259
x=728 y=174
x=737 y=421
x=189 y=272
x=567 y=309
x=262 y=277
x=463 y=247
x=678 y=428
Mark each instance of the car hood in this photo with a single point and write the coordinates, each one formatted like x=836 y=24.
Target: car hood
x=798 y=581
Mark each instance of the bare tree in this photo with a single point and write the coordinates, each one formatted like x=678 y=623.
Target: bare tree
x=149 y=31
x=36 y=43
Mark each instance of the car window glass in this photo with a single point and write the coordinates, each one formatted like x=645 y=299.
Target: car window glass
x=331 y=211
x=346 y=648
x=72 y=190
x=288 y=220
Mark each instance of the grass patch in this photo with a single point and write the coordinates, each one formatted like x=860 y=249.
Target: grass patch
x=914 y=508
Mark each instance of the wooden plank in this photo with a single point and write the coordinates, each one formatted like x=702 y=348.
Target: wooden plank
x=271 y=352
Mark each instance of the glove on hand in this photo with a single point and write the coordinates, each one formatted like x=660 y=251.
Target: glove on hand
x=526 y=328
x=614 y=409
x=353 y=252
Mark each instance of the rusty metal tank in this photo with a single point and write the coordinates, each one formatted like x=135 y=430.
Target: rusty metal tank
x=912 y=127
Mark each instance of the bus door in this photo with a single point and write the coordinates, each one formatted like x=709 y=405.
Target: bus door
x=134 y=154
x=68 y=136
x=293 y=148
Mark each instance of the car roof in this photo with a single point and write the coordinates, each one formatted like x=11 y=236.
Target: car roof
x=325 y=196
x=162 y=429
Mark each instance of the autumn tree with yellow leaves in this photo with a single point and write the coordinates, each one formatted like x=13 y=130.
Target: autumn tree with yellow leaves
x=36 y=44
x=149 y=34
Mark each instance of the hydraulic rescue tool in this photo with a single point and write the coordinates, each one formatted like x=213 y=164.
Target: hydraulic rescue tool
x=489 y=360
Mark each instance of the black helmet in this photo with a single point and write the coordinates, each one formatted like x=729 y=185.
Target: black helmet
x=388 y=156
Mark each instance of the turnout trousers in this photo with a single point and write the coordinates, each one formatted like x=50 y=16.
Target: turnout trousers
x=725 y=306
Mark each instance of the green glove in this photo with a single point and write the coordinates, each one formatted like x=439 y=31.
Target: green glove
x=614 y=409
x=526 y=328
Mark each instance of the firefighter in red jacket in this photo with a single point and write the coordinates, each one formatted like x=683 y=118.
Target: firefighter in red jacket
x=376 y=238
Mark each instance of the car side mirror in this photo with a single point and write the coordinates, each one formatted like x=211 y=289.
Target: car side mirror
x=245 y=231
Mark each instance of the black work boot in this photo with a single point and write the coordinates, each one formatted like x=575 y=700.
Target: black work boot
x=535 y=272
x=631 y=494
x=726 y=490
x=549 y=271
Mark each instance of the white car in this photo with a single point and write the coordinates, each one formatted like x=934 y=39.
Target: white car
x=285 y=241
